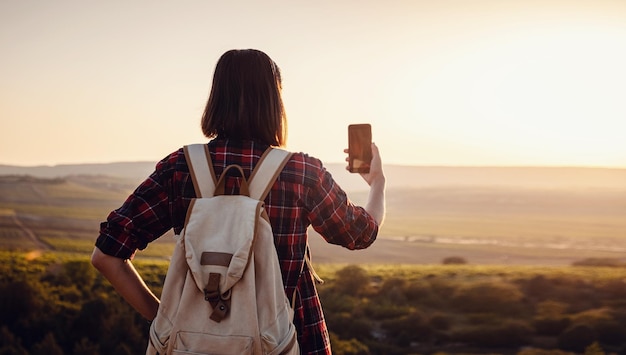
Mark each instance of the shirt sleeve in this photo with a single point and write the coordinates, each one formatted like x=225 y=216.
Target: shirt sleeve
x=335 y=217
x=144 y=216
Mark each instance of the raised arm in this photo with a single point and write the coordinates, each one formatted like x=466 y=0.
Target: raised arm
x=375 y=205
x=376 y=179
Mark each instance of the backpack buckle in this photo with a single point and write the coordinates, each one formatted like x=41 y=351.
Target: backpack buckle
x=219 y=302
x=220 y=310
x=212 y=289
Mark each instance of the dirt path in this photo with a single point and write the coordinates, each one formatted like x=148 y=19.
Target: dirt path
x=39 y=244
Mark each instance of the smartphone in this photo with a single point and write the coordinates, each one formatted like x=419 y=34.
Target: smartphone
x=359 y=148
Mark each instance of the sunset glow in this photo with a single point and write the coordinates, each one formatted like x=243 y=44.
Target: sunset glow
x=442 y=83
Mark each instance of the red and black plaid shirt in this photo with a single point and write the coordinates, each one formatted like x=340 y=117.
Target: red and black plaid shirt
x=304 y=195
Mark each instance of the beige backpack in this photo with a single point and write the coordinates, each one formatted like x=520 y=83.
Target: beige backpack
x=223 y=292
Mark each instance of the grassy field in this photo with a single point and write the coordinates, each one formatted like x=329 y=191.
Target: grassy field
x=483 y=224
x=512 y=215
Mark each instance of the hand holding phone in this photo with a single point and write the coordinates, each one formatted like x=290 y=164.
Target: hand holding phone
x=359 y=148
x=364 y=157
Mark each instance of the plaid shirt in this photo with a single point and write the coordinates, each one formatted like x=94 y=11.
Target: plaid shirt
x=304 y=195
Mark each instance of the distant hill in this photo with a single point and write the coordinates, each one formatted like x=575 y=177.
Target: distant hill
x=397 y=176
x=132 y=170
x=486 y=215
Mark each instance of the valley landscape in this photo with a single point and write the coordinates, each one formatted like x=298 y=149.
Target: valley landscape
x=510 y=216
x=524 y=261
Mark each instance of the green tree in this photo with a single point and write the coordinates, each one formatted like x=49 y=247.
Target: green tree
x=47 y=346
x=408 y=328
x=577 y=338
x=508 y=333
x=347 y=347
x=352 y=280
x=17 y=300
x=10 y=344
x=86 y=347
x=488 y=297
x=594 y=349
x=347 y=326
x=81 y=273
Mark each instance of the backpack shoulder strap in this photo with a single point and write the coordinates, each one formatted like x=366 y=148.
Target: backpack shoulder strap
x=200 y=169
x=267 y=170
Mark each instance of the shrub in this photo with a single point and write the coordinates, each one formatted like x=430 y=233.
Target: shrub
x=550 y=326
x=347 y=347
x=532 y=351
x=610 y=332
x=551 y=309
x=576 y=338
x=607 y=329
x=86 y=347
x=454 y=260
x=440 y=291
x=440 y=321
x=509 y=333
x=394 y=290
x=417 y=290
x=384 y=309
x=550 y=318
x=592 y=316
x=538 y=287
x=411 y=327
x=594 y=349
x=80 y=273
x=47 y=346
x=19 y=300
x=614 y=288
x=352 y=280
x=603 y=262
x=577 y=293
x=89 y=323
x=346 y=326
x=427 y=294
x=337 y=302
x=488 y=297
x=10 y=344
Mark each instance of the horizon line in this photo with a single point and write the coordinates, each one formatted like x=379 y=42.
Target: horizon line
x=528 y=166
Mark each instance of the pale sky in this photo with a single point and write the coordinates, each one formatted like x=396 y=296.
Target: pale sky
x=456 y=82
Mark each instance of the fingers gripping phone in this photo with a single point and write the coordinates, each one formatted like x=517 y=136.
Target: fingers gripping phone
x=359 y=148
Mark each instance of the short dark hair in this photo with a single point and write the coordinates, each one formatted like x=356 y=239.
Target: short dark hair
x=245 y=100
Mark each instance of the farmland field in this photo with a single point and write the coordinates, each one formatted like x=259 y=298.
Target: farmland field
x=515 y=287
x=520 y=218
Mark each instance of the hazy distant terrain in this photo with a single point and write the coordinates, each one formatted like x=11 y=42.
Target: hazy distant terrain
x=397 y=176
x=485 y=215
